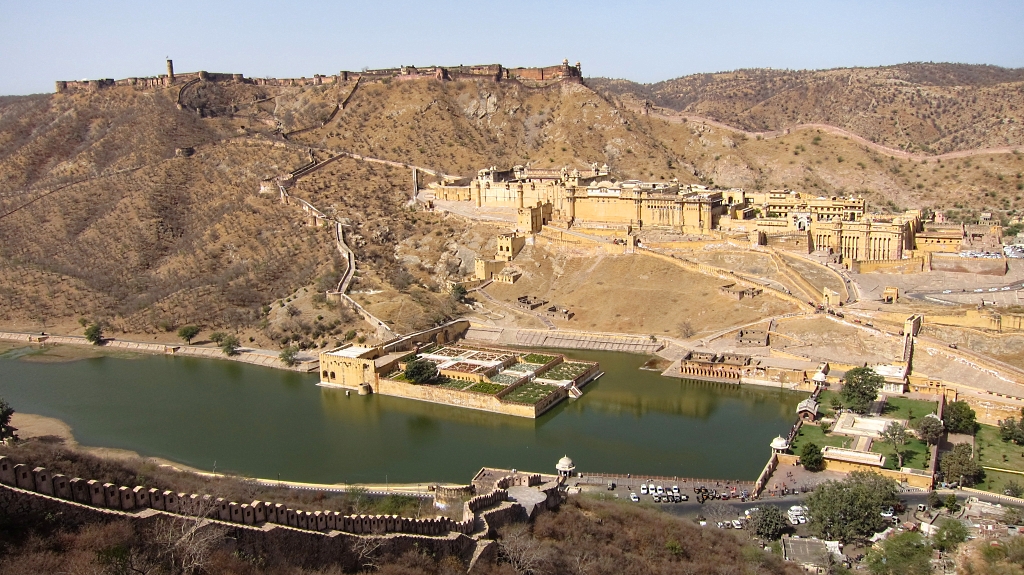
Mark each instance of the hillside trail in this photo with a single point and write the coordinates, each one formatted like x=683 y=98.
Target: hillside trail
x=674 y=117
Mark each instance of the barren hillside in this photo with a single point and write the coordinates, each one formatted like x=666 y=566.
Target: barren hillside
x=149 y=240
x=919 y=107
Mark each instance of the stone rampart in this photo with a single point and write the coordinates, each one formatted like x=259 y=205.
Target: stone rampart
x=319 y=547
x=468 y=399
x=529 y=77
x=108 y=497
x=901 y=266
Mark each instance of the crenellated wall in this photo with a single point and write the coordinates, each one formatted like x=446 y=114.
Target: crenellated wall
x=530 y=77
x=111 y=497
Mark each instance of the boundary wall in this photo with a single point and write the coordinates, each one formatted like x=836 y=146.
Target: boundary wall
x=107 y=497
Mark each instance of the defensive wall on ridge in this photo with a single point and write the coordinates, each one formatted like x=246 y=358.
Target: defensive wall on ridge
x=528 y=77
x=24 y=489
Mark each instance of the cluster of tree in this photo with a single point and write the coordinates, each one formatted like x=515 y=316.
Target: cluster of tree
x=958 y=465
x=228 y=343
x=860 y=388
x=960 y=418
x=811 y=458
x=768 y=522
x=850 y=509
x=1012 y=429
x=908 y=553
x=420 y=370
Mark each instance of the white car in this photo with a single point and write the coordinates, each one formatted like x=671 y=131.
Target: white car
x=675 y=490
x=633 y=497
x=947 y=291
x=794 y=520
x=651 y=489
x=1007 y=288
x=748 y=512
x=978 y=290
x=802 y=519
x=661 y=490
x=993 y=289
x=737 y=524
x=643 y=490
x=887 y=513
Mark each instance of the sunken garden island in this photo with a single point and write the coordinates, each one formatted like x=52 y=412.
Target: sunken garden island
x=511 y=382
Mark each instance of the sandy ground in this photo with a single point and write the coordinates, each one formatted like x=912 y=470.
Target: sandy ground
x=31 y=426
x=818 y=336
x=631 y=294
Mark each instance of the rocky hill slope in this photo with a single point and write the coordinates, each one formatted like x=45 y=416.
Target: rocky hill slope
x=925 y=107
x=100 y=219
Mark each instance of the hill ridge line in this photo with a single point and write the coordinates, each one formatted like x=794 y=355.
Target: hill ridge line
x=684 y=117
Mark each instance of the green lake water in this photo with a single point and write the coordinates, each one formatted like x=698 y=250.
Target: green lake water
x=268 y=423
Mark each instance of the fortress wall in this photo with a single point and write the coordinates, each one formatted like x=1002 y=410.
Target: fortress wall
x=902 y=266
x=469 y=399
x=955 y=263
x=91 y=500
x=319 y=547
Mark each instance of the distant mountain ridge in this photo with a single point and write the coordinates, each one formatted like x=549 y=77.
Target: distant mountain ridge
x=916 y=107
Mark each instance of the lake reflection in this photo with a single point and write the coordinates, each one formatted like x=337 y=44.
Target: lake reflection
x=262 y=422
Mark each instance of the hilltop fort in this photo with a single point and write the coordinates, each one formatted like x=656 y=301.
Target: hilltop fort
x=530 y=77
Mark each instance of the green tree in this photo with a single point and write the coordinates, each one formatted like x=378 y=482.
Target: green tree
x=950 y=503
x=1012 y=430
x=810 y=457
x=950 y=534
x=217 y=337
x=896 y=435
x=768 y=522
x=229 y=345
x=187 y=332
x=835 y=402
x=960 y=418
x=929 y=429
x=934 y=501
x=459 y=292
x=850 y=509
x=958 y=465
x=1013 y=488
x=902 y=554
x=288 y=355
x=94 y=334
x=6 y=412
x=420 y=370
x=860 y=388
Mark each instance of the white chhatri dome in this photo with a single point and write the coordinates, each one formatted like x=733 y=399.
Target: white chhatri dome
x=780 y=444
x=565 y=464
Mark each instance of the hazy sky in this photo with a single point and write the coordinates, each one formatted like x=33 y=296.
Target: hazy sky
x=42 y=41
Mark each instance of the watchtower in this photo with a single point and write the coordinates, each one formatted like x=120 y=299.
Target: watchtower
x=170 y=71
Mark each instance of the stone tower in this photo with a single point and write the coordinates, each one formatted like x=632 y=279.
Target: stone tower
x=170 y=71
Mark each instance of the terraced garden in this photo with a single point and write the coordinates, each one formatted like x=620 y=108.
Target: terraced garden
x=505 y=379
x=566 y=370
x=488 y=388
x=526 y=367
x=530 y=393
x=537 y=358
x=458 y=384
